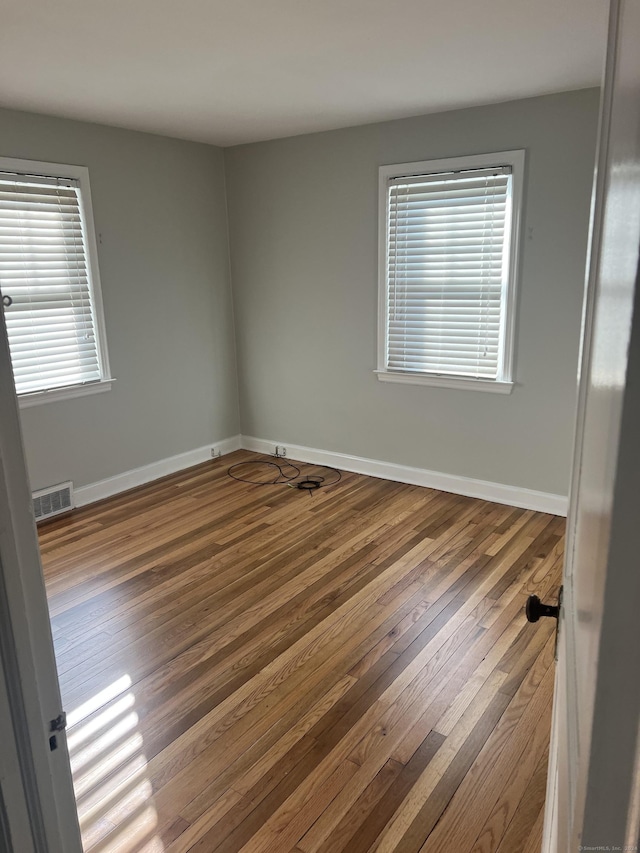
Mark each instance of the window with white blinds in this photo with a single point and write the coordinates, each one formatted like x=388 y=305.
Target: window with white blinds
x=48 y=284
x=448 y=271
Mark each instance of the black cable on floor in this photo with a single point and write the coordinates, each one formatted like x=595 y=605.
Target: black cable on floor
x=296 y=480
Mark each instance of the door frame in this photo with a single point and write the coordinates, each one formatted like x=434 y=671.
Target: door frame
x=30 y=682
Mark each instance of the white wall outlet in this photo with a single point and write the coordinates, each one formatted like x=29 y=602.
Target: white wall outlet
x=280 y=450
x=215 y=453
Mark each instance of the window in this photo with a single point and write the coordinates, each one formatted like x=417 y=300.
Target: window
x=49 y=272
x=448 y=260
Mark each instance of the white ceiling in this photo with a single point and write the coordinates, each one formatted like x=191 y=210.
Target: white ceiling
x=231 y=71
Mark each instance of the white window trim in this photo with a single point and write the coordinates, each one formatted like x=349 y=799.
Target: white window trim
x=66 y=392
x=493 y=386
x=505 y=381
x=81 y=174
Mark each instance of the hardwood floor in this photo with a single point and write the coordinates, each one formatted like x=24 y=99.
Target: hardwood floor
x=256 y=669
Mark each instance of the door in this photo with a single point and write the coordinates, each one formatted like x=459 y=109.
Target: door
x=37 y=805
x=592 y=796
x=15 y=823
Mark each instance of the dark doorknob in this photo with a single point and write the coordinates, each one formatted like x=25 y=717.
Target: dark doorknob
x=535 y=609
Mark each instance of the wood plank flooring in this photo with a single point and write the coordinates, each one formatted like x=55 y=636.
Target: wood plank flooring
x=256 y=669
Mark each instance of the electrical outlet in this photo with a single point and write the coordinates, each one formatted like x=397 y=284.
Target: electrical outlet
x=215 y=453
x=280 y=450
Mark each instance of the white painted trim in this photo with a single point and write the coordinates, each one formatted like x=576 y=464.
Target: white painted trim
x=496 y=492
x=37 y=398
x=147 y=473
x=466 y=383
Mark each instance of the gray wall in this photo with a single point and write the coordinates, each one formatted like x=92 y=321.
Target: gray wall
x=303 y=226
x=159 y=208
x=303 y=220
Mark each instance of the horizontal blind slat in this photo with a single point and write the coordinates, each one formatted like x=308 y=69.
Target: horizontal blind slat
x=73 y=366
x=23 y=351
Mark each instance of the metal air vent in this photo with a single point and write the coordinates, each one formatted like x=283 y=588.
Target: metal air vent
x=53 y=501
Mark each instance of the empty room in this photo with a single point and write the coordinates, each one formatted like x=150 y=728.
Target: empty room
x=318 y=368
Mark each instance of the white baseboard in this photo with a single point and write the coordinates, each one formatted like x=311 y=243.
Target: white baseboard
x=147 y=473
x=496 y=492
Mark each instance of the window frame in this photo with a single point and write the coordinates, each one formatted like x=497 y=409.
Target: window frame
x=80 y=174
x=505 y=381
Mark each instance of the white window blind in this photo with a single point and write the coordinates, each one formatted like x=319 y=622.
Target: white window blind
x=447 y=272
x=44 y=269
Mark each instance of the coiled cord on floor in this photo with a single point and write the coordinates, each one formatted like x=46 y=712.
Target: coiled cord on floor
x=295 y=479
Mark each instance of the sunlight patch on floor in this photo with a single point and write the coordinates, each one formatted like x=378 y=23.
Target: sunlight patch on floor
x=113 y=793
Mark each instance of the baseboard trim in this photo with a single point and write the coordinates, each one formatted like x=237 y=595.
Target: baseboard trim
x=488 y=491
x=148 y=473
x=496 y=492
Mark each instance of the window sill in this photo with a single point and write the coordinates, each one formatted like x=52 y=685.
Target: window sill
x=491 y=385
x=25 y=401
